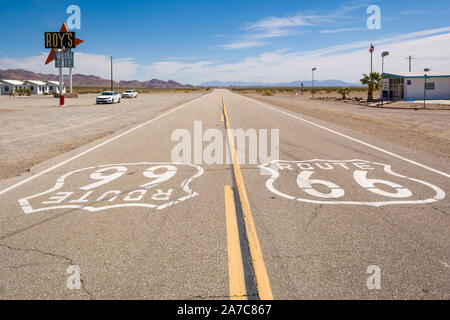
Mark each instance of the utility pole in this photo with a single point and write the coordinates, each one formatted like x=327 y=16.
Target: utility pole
x=410 y=58
x=371 y=50
x=112 y=87
x=426 y=70
x=383 y=55
x=313 y=89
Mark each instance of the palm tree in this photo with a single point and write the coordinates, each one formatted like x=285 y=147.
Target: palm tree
x=373 y=82
x=344 y=92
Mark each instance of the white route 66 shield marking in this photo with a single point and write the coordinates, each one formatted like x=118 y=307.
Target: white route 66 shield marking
x=144 y=184
x=347 y=182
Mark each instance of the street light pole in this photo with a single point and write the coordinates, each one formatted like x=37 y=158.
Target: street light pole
x=384 y=54
x=112 y=74
x=425 y=87
x=70 y=80
x=313 y=89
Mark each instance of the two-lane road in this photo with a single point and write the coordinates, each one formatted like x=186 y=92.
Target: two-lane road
x=138 y=223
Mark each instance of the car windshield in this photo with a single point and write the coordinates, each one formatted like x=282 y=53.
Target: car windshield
x=128 y=91
x=107 y=93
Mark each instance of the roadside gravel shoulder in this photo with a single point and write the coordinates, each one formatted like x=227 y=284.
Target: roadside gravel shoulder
x=35 y=129
x=421 y=130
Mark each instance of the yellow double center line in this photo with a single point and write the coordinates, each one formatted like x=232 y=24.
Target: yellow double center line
x=236 y=279
x=238 y=290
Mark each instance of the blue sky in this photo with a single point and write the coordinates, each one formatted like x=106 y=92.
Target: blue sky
x=198 y=41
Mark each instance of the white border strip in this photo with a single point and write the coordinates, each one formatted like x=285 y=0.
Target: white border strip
x=95 y=147
x=350 y=138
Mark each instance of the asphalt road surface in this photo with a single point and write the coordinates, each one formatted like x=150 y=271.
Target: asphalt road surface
x=336 y=216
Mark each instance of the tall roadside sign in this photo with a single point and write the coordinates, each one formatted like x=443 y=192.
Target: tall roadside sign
x=61 y=44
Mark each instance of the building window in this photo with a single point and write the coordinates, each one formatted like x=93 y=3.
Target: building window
x=32 y=88
x=51 y=88
x=429 y=86
x=6 y=88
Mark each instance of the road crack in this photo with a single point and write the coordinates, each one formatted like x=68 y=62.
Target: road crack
x=53 y=255
x=313 y=216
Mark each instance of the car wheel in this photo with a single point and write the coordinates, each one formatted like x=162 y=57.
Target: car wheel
x=119 y=100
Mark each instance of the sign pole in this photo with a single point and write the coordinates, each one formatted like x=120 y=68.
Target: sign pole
x=58 y=42
x=371 y=62
x=61 y=81
x=70 y=64
x=70 y=79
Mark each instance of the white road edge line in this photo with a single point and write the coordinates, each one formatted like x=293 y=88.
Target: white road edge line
x=95 y=147
x=353 y=139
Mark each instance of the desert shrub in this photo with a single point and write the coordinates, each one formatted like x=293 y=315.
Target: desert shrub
x=344 y=92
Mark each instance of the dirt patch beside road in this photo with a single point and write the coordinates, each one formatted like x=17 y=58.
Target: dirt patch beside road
x=35 y=129
x=424 y=130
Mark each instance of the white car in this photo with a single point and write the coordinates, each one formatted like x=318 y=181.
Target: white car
x=130 y=94
x=109 y=97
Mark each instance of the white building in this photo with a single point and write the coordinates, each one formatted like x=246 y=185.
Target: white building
x=9 y=85
x=53 y=87
x=411 y=86
x=36 y=87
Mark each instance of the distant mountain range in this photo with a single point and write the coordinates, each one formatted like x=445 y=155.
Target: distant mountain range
x=81 y=80
x=323 y=83
x=90 y=80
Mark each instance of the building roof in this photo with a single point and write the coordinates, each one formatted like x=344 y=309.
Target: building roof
x=55 y=83
x=416 y=75
x=37 y=82
x=13 y=82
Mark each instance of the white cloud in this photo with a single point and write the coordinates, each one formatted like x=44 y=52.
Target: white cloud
x=35 y=63
x=176 y=70
x=270 y=23
x=341 y=30
x=242 y=45
x=271 y=27
x=85 y=63
x=414 y=12
x=275 y=27
x=363 y=44
x=273 y=33
x=344 y=62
